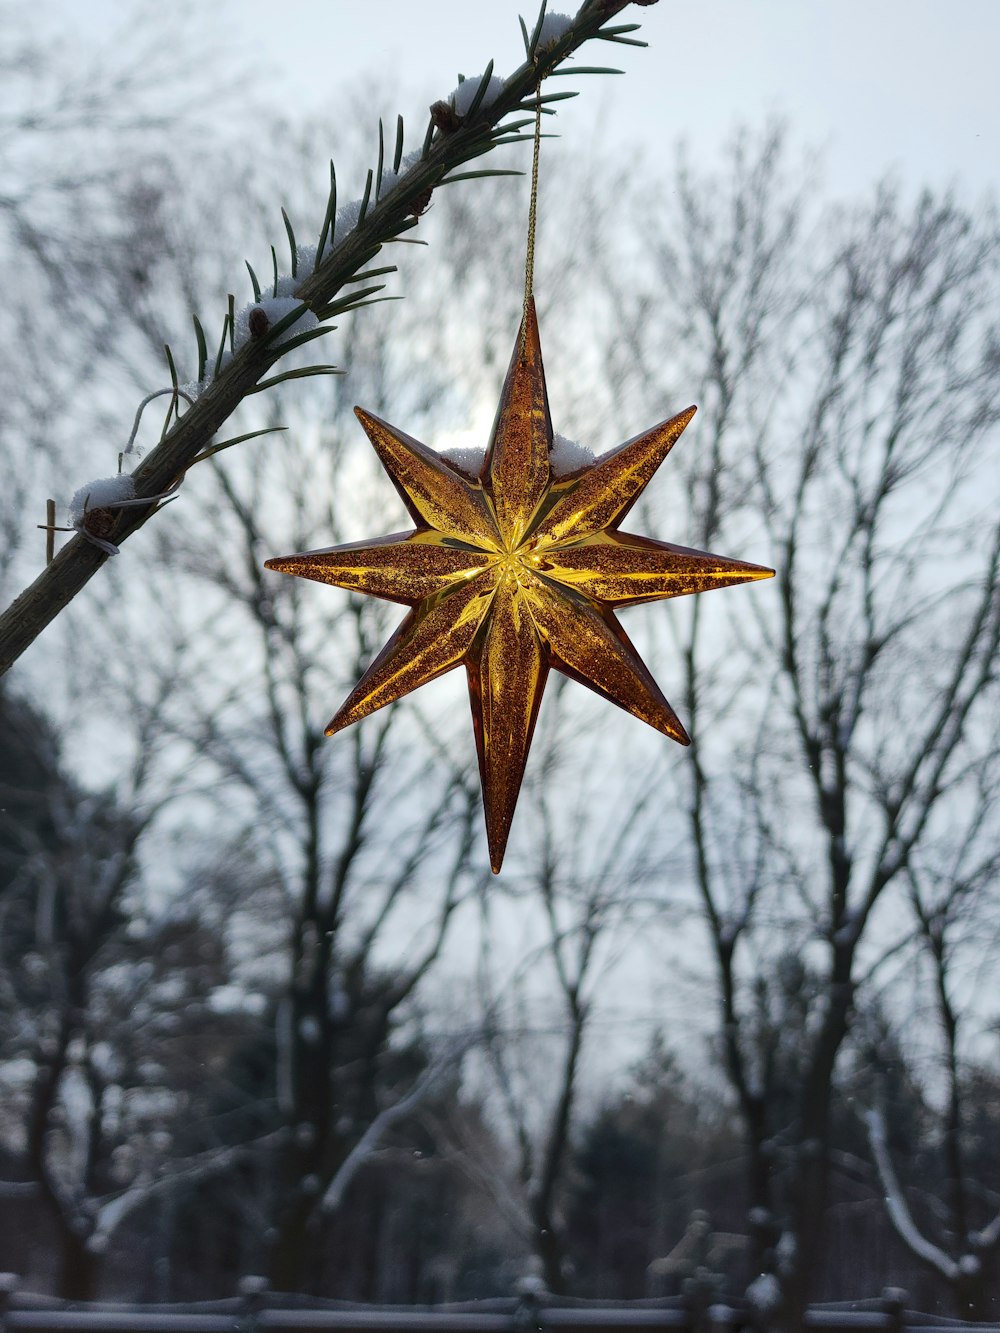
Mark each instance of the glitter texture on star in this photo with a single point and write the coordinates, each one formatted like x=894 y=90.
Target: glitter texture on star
x=513 y=573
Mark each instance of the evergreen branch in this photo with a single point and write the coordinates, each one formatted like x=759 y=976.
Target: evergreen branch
x=543 y=99
x=237 y=439
x=372 y=273
x=450 y=141
x=532 y=44
x=301 y=339
x=331 y=210
x=359 y=304
x=527 y=39
x=170 y=366
x=512 y=138
x=480 y=93
x=622 y=41
x=381 y=159
x=365 y=199
x=222 y=349
x=302 y=373
x=584 y=69
x=286 y=322
x=478 y=175
x=199 y=334
x=293 y=248
x=349 y=301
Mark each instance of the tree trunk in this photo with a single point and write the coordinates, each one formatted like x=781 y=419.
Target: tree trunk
x=812 y=1189
x=812 y=1166
x=548 y=1247
x=78 y=1268
x=287 y=1263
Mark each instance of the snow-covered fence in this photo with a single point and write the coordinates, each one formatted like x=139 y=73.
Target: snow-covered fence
x=257 y=1310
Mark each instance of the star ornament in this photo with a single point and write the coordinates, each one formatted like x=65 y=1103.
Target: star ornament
x=514 y=572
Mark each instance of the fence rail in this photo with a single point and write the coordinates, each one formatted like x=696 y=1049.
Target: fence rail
x=257 y=1310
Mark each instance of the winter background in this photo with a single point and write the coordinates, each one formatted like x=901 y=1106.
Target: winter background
x=253 y=1014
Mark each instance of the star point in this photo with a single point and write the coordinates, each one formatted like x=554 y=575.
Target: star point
x=514 y=573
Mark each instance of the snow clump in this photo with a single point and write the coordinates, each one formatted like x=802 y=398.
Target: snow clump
x=567 y=456
x=346 y=220
x=275 y=309
x=467 y=458
x=553 y=27
x=104 y=493
x=764 y=1294
x=305 y=262
x=388 y=182
x=464 y=95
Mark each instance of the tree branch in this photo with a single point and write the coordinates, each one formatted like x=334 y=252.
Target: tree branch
x=386 y=1118
x=461 y=140
x=896 y=1206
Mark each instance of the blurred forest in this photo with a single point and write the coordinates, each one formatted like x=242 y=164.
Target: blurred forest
x=728 y=1014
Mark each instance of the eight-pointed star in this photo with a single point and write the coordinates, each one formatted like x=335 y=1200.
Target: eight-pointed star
x=513 y=572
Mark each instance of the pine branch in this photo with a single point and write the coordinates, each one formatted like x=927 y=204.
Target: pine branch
x=451 y=141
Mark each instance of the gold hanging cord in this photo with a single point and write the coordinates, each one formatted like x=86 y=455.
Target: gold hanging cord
x=529 y=258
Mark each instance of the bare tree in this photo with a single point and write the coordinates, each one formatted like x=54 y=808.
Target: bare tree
x=366 y=843
x=585 y=871
x=849 y=398
x=101 y=1013
x=955 y=914
x=846 y=375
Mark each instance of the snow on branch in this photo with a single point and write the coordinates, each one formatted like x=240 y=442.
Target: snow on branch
x=554 y=26
x=496 y=115
x=465 y=96
x=389 y=1116
x=896 y=1206
x=112 y=1212
x=988 y=1238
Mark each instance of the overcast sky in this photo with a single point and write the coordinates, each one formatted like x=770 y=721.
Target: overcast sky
x=908 y=85
x=904 y=84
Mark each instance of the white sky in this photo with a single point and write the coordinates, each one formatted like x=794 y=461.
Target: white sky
x=903 y=84
x=906 y=84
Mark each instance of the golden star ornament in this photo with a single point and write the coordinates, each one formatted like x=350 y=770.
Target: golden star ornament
x=513 y=572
